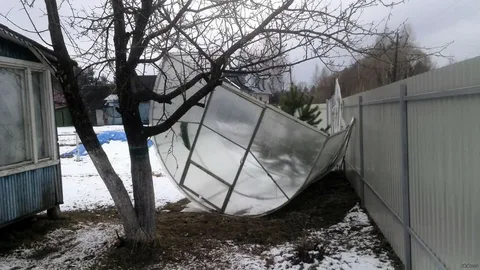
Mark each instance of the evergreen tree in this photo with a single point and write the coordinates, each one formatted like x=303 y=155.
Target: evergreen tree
x=291 y=100
x=309 y=114
x=295 y=100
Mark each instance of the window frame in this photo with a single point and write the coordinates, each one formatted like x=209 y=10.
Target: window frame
x=34 y=162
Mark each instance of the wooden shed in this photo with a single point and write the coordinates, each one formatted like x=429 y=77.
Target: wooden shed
x=30 y=177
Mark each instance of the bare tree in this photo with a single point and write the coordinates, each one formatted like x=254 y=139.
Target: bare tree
x=397 y=57
x=129 y=37
x=393 y=56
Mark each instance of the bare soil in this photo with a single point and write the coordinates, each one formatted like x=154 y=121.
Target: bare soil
x=186 y=235
x=29 y=230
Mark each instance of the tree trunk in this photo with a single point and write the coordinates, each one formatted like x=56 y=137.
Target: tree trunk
x=143 y=193
x=133 y=232
x=138 y=222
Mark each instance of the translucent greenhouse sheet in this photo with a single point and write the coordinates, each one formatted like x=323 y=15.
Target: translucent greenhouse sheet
x=236 y=155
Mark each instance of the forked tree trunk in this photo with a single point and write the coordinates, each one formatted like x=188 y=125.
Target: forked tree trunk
x=133 y=232
x=136 y=229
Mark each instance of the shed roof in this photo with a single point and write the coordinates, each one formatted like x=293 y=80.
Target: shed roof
x=43 y=53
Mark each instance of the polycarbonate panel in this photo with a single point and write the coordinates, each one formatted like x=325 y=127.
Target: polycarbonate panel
x=281 y=155
x=197 y=201
x=223 y=163
x=265 y=195
x=286 y=149
x=328 y=155
x=172 y=147
x=168 y=81
x=232 y=116
x=205 y=186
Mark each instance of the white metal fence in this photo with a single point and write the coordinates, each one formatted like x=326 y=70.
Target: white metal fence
x=414 y=159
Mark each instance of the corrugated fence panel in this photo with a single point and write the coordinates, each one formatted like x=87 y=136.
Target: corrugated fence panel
x=381 y=128
x=25 y=193
x=458 y=75
x=389 y=225
x=353 y=151
x=443 y=165
x=420 y=259
x=444 y=156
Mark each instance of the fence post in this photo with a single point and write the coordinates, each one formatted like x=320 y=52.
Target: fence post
x=360 y=137
x=405 y=176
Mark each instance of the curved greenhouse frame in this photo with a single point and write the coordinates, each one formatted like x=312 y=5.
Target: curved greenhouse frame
x=236 y=155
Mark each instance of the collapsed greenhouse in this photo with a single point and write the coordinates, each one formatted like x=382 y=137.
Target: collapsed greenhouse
x=237 y=155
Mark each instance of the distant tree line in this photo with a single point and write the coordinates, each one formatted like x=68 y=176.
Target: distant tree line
x=391 y=58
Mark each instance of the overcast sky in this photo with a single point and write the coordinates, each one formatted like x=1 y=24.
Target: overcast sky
x=434 y=23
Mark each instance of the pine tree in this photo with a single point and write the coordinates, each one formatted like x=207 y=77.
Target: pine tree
x=291 y=100
x=309 y=114
x=295 y=100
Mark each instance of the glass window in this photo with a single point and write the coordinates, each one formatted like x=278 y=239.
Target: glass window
x=40 y=109
x=13 y=132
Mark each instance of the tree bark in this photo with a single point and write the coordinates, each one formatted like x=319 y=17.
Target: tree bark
x=68 y=80
x=141 y=170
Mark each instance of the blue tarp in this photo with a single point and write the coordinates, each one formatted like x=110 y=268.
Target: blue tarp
x=103 y=137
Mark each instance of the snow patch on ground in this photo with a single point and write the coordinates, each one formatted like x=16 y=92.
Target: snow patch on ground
x=83 y=189
x=346 y=245
x=77 y=248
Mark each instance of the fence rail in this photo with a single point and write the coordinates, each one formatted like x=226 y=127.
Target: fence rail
x=412 y=162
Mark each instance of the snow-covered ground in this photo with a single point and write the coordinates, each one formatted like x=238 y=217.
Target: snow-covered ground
x=74 y=248
x=348 y=245
x=83 y=189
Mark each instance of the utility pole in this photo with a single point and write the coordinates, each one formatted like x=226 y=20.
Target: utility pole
x=395 y=60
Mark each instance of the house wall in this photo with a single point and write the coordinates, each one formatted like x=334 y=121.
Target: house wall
x=63 y=118
x=30 y=178
x=413 y=158
x=112 y=117
x=29 y=192
x=12 y=50
x=145 y=112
